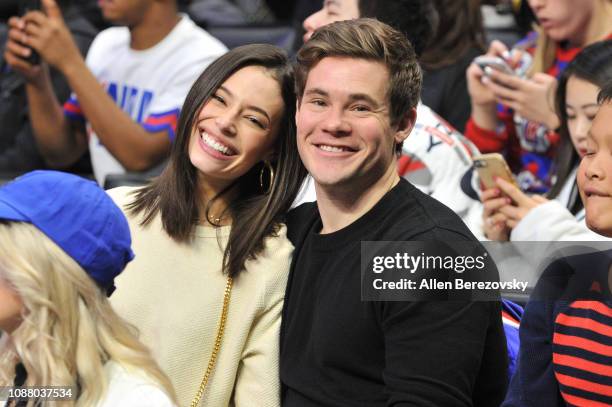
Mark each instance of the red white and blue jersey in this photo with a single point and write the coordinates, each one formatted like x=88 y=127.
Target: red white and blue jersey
x=149 y=85
x=437 y=159
x=528 y=146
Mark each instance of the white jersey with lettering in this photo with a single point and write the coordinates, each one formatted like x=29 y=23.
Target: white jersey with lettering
x=149 y=85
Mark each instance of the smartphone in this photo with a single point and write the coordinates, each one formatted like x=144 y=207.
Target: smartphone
x=24 y=7
x=491 y=166
x=496 y=63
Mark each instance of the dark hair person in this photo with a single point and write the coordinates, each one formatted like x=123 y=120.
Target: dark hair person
x=210 y=228
x=458 y=40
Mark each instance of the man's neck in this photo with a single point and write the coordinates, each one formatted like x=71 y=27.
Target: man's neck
x=339 y=206
x=154 y=27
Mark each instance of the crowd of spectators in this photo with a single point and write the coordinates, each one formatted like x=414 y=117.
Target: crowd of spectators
x=116 y=91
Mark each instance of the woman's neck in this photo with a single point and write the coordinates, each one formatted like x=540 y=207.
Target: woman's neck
x=213 y=207
x=599 y=26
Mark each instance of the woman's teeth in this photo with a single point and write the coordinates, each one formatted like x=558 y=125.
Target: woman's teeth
x=331 y=149
x=215 y=144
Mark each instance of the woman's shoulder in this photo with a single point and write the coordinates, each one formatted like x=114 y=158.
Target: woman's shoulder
x=127 y=388
x=122 y=196
x=270 y=269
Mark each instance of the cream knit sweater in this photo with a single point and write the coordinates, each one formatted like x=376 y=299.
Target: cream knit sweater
x=173 y=294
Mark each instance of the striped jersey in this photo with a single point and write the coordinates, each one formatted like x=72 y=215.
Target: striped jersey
x=565 y=356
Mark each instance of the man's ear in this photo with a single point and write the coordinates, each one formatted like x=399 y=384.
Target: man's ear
x=297 y=110
x=405 y=125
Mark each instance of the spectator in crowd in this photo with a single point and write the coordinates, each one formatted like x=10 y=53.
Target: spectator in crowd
x=18 y=150
x=358 y=85
x=458 y=40
x=62 y=242
x=435 y=157
x=534 y=218
x=126 y=95
x=210 y=228
x=566 y=330
x=515 y=115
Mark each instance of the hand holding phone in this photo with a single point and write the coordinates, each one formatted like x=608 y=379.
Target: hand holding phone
x=491 y=166
x=496 y=63
x=26 y=6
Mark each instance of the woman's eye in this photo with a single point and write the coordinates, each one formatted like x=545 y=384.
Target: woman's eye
x=256 y=121
x=218 y=98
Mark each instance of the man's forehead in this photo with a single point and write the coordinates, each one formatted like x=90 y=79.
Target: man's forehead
x=348 y=64
x=602 y=125
x=350 y=75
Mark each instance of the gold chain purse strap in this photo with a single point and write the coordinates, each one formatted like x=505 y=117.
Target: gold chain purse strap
x=217 y=346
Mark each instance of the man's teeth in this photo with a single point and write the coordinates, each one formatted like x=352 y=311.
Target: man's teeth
x=214 y=144
x=332 y=149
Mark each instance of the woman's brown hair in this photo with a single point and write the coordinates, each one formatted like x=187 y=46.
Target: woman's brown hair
x=459 y=29
x=256 y=214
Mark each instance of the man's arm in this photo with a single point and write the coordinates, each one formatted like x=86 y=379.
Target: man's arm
x=59 y=141
x=134 y=147
x=435 y=352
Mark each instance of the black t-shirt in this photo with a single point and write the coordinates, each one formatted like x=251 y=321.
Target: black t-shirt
x=339 y=351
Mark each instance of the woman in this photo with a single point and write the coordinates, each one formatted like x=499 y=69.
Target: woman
x=524 y=125
x=562 y=218
x=207 y=287
x=62 y=242
x=459 y=39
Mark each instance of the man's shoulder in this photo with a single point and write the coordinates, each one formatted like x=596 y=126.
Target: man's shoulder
x=300 y=219
x=112 y=36
x=417 y=216
x=198 y=40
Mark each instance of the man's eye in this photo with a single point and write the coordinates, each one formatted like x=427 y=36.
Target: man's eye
x=317 y=102
x=361 y=108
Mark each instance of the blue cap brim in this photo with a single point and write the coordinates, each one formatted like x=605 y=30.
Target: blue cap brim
x=7 y=212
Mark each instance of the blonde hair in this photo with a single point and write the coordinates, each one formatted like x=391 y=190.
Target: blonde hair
x=544 y=53
x=68 y=329
x=546 y=48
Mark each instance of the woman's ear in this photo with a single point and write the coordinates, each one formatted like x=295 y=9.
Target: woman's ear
x=405 y=125
x=270 y=156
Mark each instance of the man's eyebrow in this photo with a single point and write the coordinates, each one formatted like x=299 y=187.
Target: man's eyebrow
x=362 y=96
x=589 y=105
x=251 y=107
x=353 y=97
x=331 y=3
x=316 y=91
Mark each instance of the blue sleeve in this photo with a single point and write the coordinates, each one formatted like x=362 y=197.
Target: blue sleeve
x=534 y=382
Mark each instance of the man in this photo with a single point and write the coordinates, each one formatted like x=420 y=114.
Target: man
x=145 y=69
x=18 y=151
x=436 y=158
x=358 y=84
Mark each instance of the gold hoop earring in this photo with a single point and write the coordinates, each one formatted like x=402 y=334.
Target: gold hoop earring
x=268 y=166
